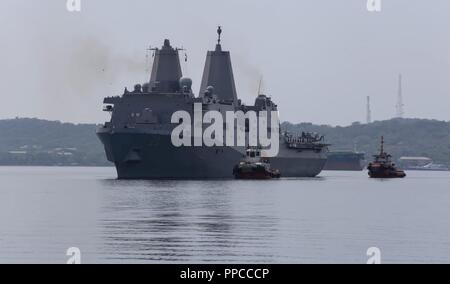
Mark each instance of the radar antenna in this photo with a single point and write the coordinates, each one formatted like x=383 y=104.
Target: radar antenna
x=219 y=33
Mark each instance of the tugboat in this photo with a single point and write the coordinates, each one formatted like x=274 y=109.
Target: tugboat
x=383 y=167
x=254 y=166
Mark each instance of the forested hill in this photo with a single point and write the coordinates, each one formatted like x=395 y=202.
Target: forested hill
x=40 y=142
x=404 y=137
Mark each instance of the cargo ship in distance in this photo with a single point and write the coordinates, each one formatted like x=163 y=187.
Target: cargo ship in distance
x=137 y=139
x=345 y=161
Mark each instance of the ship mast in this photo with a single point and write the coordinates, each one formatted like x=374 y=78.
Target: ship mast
x=219 y=33
x=260 y=86
x=382 y=145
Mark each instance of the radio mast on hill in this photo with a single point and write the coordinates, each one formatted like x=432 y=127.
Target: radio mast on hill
x=369 y=111
x=399 y=107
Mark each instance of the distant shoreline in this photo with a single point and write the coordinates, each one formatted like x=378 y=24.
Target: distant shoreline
x=44 y=166
x=35 y=142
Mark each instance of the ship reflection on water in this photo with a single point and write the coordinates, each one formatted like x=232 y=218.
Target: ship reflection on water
x=182 y=221
x=332 y=219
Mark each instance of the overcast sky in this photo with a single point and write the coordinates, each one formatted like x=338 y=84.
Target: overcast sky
x=319 y=58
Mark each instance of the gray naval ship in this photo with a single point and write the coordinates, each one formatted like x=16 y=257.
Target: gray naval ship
x=137 y=139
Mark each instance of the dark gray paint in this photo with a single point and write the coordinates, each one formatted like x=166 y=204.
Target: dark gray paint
x=138 y=137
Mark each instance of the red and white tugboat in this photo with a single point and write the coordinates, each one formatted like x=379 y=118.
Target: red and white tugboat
x=383 y=167
x=254 y=166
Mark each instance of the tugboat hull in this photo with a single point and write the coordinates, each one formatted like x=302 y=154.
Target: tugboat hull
x=254 y=172
x=387 y=174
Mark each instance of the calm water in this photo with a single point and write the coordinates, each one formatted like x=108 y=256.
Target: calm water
x=331 y=219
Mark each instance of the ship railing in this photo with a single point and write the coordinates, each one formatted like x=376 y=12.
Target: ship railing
x=308 y=146
x=291 y=140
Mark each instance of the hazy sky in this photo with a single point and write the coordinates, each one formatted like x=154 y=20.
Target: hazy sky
x=319 y=58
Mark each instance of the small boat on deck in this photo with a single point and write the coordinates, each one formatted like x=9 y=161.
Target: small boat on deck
x=254 y=166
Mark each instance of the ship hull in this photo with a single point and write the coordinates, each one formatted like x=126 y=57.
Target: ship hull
x=345 y=161
x=152 y=156
x=355 y=165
